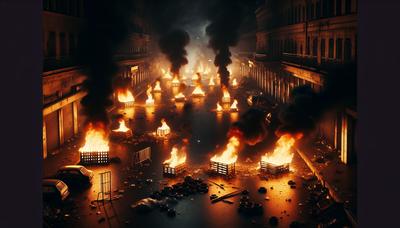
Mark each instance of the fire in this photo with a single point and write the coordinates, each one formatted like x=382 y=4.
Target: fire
x=234 y=82
x=157 y=87
x=219 y=107
x=122 y=126
x=175 y=81
x=125 y=96
x=198 y=91
x=175 y=159
x=211 y=83
x=282 y=153
x=180 y=96
x=166 y=74
x=150 y=100
x=226 y=97
x=229 y=155
x=164 y=129
x=251 y=63
x=95 y=141
x=195 y=77
x=234 y=105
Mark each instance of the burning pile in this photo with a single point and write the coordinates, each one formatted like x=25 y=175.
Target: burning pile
x=125 y=97
x=166 y=74
x=180 y=97
x=163 y=130
x=211 y=83
x=150 y=100
x=175 y=81
x=95 y=150
x=122 y=131
x=176 y=163
x=279 y=160
x=157 y=87
x=234 y=82
x=198 y=92
x=219 y=107
x=234 y=107
x=224 y=163
x=226 y=97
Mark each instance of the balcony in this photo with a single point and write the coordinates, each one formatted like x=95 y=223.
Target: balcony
x=312 y=61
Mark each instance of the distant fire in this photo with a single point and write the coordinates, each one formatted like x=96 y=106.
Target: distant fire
x=175 y=81
x=150 y=100
x=226 y=97
x=180 y=97
x=166 y=74
x=282 y=153
x=234 y=106
x=95 y=140
x=219 y=107
x=125 y=96
x=229 y=155
x=157 y=87
x=211 y=83
x=177 y=158
x=234 y=82
x=164 y=129
x=122 y=126
x=251 y=63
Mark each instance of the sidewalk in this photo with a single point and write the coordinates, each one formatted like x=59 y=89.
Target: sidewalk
x=339 y=178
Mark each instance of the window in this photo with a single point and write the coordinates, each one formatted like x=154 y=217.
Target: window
x=324 y=8
x=347 y=7
x=51 y=44
x=71 y=44
x=330 y=53
x=331 y=7
x=308 y=46
x=63 y=44
x=339 y=45
x=315 y=46
x=338 y=7
x=312 y=11
x=347 y=49
x=323 y=48
x=318 y=9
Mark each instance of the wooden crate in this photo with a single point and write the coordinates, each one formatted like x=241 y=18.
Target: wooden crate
x=273 y=169
x=127 y=104
x=222 y=168
x=121 y=135
x=173 y=171
x=91 y=158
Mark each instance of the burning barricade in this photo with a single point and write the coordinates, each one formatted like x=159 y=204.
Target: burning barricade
x=125 y=98
x=166 y=74
x=96 y=149
x=150 y=99
x=234 y=82
x=225 y=162
x=157 y=87
x=176 y=163
x=175 y=81
x=164 y=130
x=226 y=97
x=180 y=97
x=279 y=160
x=234 y=107
x=122 y=131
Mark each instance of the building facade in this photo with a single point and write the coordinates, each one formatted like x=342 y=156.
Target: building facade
x=62 y=78
x=299 y=42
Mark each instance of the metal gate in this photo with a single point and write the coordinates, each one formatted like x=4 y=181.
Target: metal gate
x=141 y=156
x=105 y=187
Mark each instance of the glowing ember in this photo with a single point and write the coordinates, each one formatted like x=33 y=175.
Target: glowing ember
x=166 y=74
x=198 y=91
x=282 y=153
x=122 y=126
x=180 y=97
x=95 y=141
x=229 y=155
x=219 y=107
x=234 y=82
x=150 y=100
x=175 y=81
x=125 y=96
x=157 y=87
x=164 y=129
x=234 y=106
x=176 y=159
x=211 y=83
x=226 y=97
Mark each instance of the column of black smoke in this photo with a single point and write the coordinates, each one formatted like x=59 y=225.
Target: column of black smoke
x=225 y=19
x=306 y=107
x=173 y=44
x=108 y=23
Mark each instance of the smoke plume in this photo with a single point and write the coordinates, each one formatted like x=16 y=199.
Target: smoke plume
x=306 y=107
x=173 y=46
x=108 y=23
x=251 y=127
x=225 y=19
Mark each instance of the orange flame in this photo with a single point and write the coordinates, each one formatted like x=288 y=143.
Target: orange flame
x=164 y=129
x=95 y=140
x=211 y=83
x=219 y=107
x=282 y=153
x=175 y=81
x=234 y=105
x=176 y=159
x=157 y=87
x=198 y=91
x=166 y=74
x=226 y=97
x=195 y=77
x=150 y=100
x=179 y=96
x=229 y=155
x=122 y=126
x=125 y=96
x=234 y=82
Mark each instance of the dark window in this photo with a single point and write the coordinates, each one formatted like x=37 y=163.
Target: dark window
x=46 y=5
x=304 y=14
x=347 y=49
x=324 y=8
x=315 y=46
x=72 y=44
x=338 y=7
x=51 y=44
x=63 y=44
x=301 y=49
x=312 y=11
x=330 y=53
x=347 y=7
x=308 y=46
x=339 y=45
x=323 y=48
x=331 y=7
x=318 y=9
